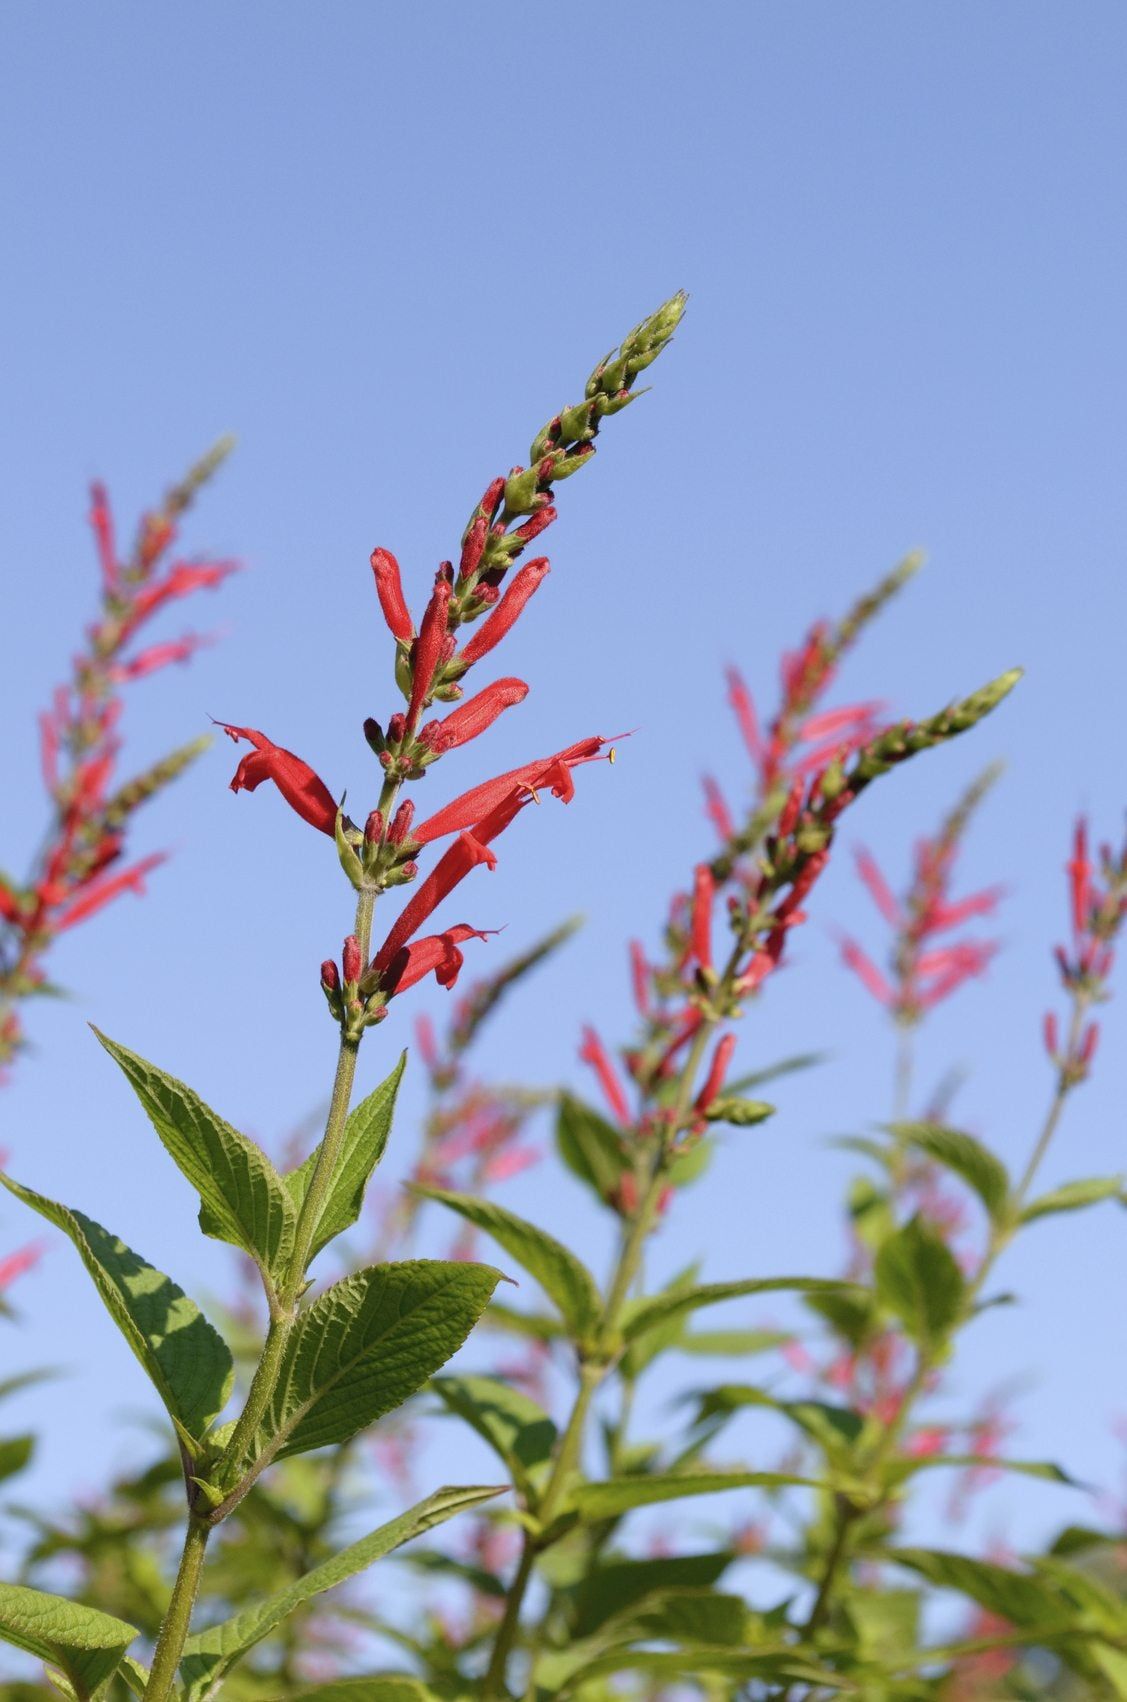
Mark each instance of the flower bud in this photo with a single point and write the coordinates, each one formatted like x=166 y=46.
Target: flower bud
x=350 y=959
x=330 y=976
x=401 y=822
x=373 y=828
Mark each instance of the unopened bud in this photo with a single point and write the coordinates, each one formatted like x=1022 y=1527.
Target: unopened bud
x=373 y=732
x=373 y=828
x=401 y=822
x=330 y=976
x=350 y=959
x=396 y=728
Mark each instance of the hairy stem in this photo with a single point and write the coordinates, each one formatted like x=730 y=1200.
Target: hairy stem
x=174 y=1631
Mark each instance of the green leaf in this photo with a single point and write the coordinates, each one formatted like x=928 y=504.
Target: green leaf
x=243 y=1200
x=365 y=1138
x=773 y=1664
x=185 y=1358
x=732 y=1344
x=563 y=1277
x=1024 y=1600
x=684 y=1615
x=15 y=1452
x=85 y=1646
x=606 y=1500
x=615 y=1585
x=365 y=1345
x=644 y=1315
x=771 y=1072
x=517 y=1429
x=209 y=1655
x=589 y=1146
x=918 y=1278
x=962 y=1154
x=834 y=1428
x=1072 y=1196
x=899 y=1470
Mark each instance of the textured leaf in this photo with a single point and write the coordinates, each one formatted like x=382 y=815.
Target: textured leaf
x=834 y=1428
x=563 y=1277
x=185 y=1358
x=365 y=1345
x=1072 y=1196
x=962 y=1154
x=606 y=1500
x=644 y=1315
x=365 y=1138
x=209 y=1655
x=589 y=1146
x=773 y=1664
x=918 y=1278
x=84 y=1645
x=684 y=1615
x=514 y=1425
x=243 y=1199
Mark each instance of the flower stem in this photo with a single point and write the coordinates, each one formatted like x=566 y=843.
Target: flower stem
x=174 y=1630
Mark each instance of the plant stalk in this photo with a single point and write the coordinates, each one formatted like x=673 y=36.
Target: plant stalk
x=174 y=1631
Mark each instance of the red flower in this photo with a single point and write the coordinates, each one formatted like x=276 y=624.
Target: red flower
x=303 y=790
x=437 y=951
x=389 y=590
x=494 y=628
x=714 y=1081
x=1080 y=880
x=549 y=773
x=101 y=893
x=593 y=1052
x=704 y=893
x=474 y=716
x=428 y=648
x=717 y=809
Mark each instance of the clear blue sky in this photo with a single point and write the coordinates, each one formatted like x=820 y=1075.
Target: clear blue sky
x=384 y=244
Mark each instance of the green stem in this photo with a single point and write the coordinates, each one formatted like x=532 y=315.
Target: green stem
x=838 y=1554
x=174 y=1630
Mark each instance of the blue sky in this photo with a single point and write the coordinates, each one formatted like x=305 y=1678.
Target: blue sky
x=383 y=245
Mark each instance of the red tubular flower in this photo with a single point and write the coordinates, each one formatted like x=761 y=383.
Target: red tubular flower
x=742 y=703
x=101 y=520
x=640 y=978
x=101 y=893
x=866 y=970
x=539 y=522
x=180 y=581
x=428 y=648
x=878 y=888
x=549 y=773
x=473 y=548
x=714 y=1081
x=19 y=1262
x=593 y=1052
x=717 y=809
x=846 y=722
x=302 y=789
x=704 y=894
x=473 y=716
x=160 y=656
x=467 y=851
x=493 y=629
x=389 y=590
x=437 y=952
x=1079 y=871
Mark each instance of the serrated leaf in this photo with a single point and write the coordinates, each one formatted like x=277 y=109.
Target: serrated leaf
x=85 y=1646
x=210 y=1655
x=564 y=1278
x=15 y=1453
x=517 y=1429
x=968 y=1158
x=589 y=1146
x=365 y=1345
x=243 y=1200
x=643 y=1315
x=918 y=1278
x=185 y=1358
x=366 y=1134
x=616 y=1495
x=1073 y=1196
